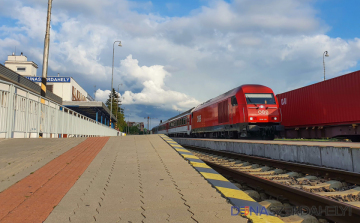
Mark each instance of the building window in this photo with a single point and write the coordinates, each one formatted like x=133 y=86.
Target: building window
x=49 y=88
x=21 y=69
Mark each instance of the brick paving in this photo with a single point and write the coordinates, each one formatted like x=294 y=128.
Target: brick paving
x=33 y=198
x=141 y=179
x=121 y=179
x=21 y=157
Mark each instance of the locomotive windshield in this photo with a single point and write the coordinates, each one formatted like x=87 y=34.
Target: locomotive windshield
x=260 y=99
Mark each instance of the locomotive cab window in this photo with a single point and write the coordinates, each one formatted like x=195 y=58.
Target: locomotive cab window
x=260 y=99
x=233 y=101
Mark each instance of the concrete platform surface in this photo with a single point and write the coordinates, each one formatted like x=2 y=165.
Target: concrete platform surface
x=21 y=157
x=285 y=142
x=141 y=179
x=339 y=155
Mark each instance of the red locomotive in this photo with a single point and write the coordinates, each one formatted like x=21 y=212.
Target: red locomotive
x=248 y=111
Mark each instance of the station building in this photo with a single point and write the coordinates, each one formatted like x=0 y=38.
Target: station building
x=63 y=90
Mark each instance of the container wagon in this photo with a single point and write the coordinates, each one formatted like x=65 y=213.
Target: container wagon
x=328 y=109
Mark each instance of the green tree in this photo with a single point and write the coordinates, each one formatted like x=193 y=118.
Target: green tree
x=116 y=109
x=134 y=130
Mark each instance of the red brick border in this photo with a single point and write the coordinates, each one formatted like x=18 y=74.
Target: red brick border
x=33 y=198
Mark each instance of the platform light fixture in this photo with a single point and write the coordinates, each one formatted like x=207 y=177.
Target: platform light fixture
x=326 y=54
x=112 y=78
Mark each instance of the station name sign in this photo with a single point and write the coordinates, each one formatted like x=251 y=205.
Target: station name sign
x=51 y=79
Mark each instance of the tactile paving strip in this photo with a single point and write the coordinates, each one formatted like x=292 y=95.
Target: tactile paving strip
x=33 y=198
x=236 y=196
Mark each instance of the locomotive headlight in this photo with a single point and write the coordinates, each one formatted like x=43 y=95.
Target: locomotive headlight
x=251 y=118
x=275 y=118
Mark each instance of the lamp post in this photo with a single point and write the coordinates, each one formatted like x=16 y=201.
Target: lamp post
x=117 y=106
x=94 y=92
x=125 y=120
x=112 y=78
x=325 y=55
x=45 y=66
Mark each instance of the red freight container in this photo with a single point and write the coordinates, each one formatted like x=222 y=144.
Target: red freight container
x=329 y=108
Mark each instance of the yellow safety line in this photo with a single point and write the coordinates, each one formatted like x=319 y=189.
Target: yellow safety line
x=234 y=193
x=189 y=156
x=213 y=176
x=227 y=192
x=196 y=164
x=263 y=218
x=183 y=150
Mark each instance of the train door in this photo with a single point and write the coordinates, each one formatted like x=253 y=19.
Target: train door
x=167 y=127
x=188 y=122
x=231 y=112
x=233 y=105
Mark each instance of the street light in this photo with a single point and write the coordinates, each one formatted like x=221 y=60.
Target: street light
x=325 y=55
x=117 y=107
x=112 y=78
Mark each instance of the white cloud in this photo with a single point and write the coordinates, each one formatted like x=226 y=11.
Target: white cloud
x=214 y=48
x=154 y=92
x=102 y=95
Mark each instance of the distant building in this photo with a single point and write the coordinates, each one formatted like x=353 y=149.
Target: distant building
x=63 y=90
x=65 y=87
x=140 y=125
x=20 y=65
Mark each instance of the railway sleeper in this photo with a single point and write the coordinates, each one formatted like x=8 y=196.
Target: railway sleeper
x=260 y=169
x=306 y=179
x=327 y=186
x=347 y=195
x=270 y=172
x=282 y=176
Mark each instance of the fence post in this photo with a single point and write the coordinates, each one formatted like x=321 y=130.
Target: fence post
x=10 y=112
x=68 y=123
x=39 y=117
x=26 y=114
x=62 y=123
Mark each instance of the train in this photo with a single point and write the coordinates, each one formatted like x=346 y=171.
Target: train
x=248 y=111
x=327 y=109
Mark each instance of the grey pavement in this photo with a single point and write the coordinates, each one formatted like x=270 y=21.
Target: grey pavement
x=21 y=157
x=141 y=179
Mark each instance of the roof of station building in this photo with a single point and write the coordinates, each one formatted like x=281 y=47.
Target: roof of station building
x=89 y=108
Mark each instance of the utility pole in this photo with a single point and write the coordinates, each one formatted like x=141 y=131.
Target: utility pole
x=112 y=78
x=148 y=122
x=94 y=92
x=325 y=54
x=45 y=62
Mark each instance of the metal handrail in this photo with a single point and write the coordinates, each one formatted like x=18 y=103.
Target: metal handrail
x=22 y=115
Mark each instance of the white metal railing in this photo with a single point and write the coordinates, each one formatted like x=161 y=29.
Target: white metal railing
x=22 y=115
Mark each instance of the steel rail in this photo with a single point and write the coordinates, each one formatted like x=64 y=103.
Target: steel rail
x=296 y=196
x=347 y=176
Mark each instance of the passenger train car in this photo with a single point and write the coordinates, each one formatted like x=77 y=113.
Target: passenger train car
x=248 y=111
x=179 y=125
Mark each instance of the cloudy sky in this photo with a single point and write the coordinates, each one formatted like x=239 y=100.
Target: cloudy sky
x=177 y=54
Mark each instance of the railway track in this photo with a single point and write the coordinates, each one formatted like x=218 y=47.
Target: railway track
x=314 y=189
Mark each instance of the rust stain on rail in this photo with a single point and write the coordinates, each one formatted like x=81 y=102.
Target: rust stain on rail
x=33 y=198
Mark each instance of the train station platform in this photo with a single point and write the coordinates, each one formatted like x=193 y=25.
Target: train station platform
x=105 y=179
x=338 y=155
